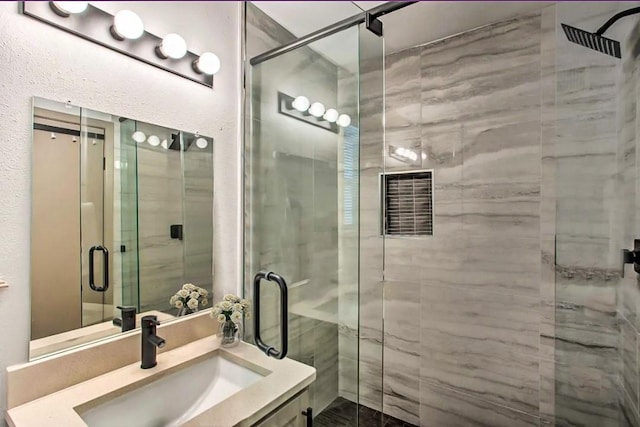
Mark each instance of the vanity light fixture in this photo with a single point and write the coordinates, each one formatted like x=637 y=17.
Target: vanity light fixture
x=68 y=8
x=201 y=143
x=127 y=25
x=406 y=155
x=153 y=140
x=164 y=144
x=207 y=63
x=316 y=109
x=124 y=32
x=139 y=136
x=314 y=113
x=344 y=120
x=301 y=103
x=172 y=46
x=331 y=115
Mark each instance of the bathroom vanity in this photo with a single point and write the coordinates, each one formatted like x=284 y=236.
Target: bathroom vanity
x=195 y=383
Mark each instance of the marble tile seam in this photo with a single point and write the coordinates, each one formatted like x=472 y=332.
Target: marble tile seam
x=473 y=397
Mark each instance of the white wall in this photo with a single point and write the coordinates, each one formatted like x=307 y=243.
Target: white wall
x=37 y=59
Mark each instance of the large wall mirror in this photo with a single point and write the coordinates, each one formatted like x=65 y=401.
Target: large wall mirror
x=122 y=218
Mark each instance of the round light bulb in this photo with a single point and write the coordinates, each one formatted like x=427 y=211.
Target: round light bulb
x=173 y=46
x=201 y=143
x=66 y=8
x=208 y=63
x=316 y=109
x=301 y=103
x=344 y=120
x=400 y=151
x=153 y=141
x=127 y=25
x=139 y=136
x=424 y=156
x=164 y=144
x=331 y=115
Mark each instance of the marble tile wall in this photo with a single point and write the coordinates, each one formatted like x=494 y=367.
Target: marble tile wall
x=596 y=371
x=464 y=308
x=626 y=209
x=513 y=312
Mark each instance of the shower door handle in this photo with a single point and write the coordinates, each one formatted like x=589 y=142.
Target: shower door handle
x=284 y=314
x=105 y=266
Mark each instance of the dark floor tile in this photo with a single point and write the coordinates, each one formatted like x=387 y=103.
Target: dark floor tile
x=342 y=413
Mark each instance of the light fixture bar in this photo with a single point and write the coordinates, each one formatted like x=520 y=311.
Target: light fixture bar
x=94 y=25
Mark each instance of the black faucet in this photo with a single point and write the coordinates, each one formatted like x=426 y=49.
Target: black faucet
x=127 y=320
x=150 y=341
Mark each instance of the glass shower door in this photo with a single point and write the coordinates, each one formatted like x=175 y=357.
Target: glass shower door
x=302 y=212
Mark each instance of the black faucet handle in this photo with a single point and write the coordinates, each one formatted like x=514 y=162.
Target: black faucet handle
x=127 y=309
x=150 y=321
x=127 y=320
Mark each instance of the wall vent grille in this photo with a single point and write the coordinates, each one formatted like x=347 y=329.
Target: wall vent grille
x=408 y=202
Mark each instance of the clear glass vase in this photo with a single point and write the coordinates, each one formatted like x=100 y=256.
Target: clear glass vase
x=229 y=333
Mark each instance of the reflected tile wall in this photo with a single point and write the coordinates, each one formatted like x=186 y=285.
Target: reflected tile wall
x=160 y=256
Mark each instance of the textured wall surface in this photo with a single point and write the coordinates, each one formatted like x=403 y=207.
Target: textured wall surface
x=36 y=59
x=463 y=307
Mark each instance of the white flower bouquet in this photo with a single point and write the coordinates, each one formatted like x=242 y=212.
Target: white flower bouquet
x=231 y=308
x=229 y=312
x=190 y=297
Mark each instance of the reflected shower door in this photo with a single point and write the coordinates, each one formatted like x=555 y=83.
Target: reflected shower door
x=96 y=219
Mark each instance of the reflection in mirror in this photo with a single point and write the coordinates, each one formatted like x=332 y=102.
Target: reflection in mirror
x=122 y=218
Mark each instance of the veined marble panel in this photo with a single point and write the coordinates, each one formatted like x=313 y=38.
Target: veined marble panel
x=444 y=407
x=402 y=351
x=629 y=358
x=481 y=343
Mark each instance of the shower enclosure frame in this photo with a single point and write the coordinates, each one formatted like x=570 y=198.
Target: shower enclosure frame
x=371 y=23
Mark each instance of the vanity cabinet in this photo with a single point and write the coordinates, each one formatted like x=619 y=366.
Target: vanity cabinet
x=289 y=414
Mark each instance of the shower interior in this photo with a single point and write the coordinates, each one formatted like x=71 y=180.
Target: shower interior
x=515 y=310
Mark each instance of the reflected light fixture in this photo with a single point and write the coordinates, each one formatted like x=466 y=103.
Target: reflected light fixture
x=207 y=63
x=153 y=140
x=406 y=153
x=164 y=144
x=172 y=46
x=301 y=103
x=68 y=8
x=344 y=120
x=201 y=143
x=331 y=115
x=316 y=109
x=139 y=136
x=127 y=25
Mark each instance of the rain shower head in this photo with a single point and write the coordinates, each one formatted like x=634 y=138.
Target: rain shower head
x=597 y=41
x=592 y=41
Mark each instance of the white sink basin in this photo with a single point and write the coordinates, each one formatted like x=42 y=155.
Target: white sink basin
x=175 y=398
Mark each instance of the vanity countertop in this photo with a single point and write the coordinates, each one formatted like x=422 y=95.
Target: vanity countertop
x=283 y=379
